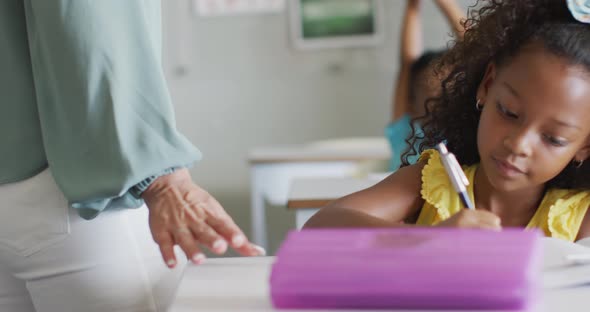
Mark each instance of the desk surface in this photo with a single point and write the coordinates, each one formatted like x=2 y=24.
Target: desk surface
x=347 y=149
x=317 y=192
x=241 y=284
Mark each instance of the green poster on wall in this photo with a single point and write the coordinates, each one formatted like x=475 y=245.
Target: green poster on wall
x=326 y=18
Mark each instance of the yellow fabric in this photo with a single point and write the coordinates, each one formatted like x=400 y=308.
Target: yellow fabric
x=560 y=213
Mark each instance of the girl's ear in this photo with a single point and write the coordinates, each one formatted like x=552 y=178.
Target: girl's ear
x=486 y=82
x=583 y=153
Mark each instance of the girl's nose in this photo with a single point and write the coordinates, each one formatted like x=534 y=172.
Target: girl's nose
x=519 y=143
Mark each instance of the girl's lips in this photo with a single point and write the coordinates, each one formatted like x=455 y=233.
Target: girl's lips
x=507 y=169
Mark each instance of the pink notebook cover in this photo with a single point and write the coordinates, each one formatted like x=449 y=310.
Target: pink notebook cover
x=410 y=268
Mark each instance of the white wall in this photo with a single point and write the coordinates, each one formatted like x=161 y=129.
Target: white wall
x=244 y=85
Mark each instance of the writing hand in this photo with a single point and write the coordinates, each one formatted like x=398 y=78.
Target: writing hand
x=478 y=219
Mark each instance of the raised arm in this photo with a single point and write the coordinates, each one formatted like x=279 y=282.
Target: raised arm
x=410 y=50
x=385 y=204
x=454 y=14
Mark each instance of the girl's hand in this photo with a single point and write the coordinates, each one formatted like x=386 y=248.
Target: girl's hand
x=475 y=219
x=182 y=213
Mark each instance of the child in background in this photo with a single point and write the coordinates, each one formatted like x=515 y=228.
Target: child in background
x=416 y=80
x=515 y=110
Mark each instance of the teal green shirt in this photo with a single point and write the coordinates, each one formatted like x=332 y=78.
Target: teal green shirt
x=396 y=133
x=82 y=92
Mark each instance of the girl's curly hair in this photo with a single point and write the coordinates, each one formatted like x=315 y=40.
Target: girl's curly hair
x=494 y=33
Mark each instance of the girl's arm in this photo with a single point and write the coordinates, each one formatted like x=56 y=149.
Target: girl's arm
x=388 y=203
x=391 y=202
x=454 y=16
x=410 y=50
x=585 y=227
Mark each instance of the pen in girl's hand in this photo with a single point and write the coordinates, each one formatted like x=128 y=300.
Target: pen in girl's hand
x=455 y=174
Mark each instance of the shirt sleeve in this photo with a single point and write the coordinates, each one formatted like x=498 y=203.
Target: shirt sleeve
x=104 y=106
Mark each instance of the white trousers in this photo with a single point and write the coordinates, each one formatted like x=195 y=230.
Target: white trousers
x=51 y=260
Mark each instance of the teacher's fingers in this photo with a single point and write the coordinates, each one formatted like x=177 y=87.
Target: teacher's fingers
x=210 y=210
x=185 y=239
x=226 y=227
x=251 y=249
x=223 y=224
x=219 y=229
x=207 y=236
x=166 y=244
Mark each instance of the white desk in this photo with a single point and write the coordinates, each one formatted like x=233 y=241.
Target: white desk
x=308 y=195
x=241 y=284
x=272 y=168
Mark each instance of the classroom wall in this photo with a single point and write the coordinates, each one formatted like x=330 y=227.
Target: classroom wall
x=237 y=83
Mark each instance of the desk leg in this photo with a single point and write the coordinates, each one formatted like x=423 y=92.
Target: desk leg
x=258 y=208
x=271 y=181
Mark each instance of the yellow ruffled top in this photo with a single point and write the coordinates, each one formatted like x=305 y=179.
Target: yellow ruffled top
x=560 y=213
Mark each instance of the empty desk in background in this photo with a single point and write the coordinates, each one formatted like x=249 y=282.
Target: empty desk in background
x=272 y=168
x=307 y=195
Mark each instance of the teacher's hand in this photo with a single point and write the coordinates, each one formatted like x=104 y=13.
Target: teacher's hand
x=182 y=213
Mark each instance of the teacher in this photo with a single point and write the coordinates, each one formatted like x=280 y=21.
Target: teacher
x=87 y=132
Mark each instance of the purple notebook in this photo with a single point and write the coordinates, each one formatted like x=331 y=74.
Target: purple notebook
x=411 y=268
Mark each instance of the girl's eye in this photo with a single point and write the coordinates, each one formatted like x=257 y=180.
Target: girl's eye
x=505 y=112
x=554 y=141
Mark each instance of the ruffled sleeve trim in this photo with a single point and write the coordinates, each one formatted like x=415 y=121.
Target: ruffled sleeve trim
x=566 y=212
x=437 y=190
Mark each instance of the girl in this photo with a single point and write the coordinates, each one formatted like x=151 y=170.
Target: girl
x=416 y=80
x=515 y=110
